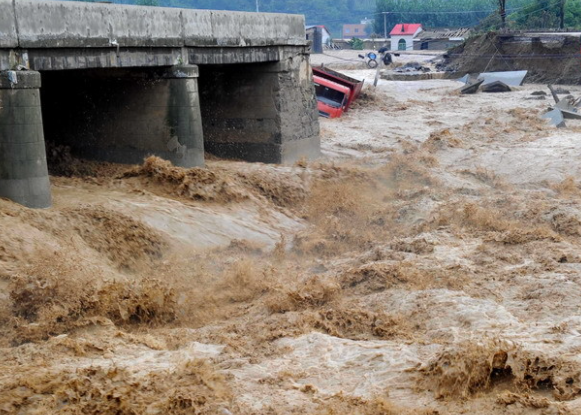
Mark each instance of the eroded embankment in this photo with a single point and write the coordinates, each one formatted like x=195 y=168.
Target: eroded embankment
x=549 y=58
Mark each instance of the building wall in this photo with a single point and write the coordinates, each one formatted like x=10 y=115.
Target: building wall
x=368 y=44
x=354 y=30
x=408 y=39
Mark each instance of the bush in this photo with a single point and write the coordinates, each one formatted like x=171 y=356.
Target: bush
x=356 y=44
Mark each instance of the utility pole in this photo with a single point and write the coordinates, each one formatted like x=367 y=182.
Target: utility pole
x=562 y=4
x=385 y=24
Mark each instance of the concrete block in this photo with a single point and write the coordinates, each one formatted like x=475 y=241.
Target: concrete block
x=35 y=152
x=25 y=80
x=32 y=133
x=8 y=38
x=147 y=26
x=32 y=116
x=254 y=152
x=55 y=24
x=38 y=185
x=226 y=28
x=290 y=29
x=23 y=168
x=14 y=189
x=257 y=29
x=44 y=24
x=6 y=131
x=219 y=56
x=197 y=27
x=181 y=72
x=5 y=62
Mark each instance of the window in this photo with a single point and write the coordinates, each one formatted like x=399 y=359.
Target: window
x=401 y=45
x=347 y=30
x=356 y=30
x=329 y=96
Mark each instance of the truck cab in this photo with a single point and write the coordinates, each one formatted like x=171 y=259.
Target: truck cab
x=332 y=98
x=335 y=91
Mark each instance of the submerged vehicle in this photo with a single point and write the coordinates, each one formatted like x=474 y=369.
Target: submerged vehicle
x=335 y=91
x=332 y=98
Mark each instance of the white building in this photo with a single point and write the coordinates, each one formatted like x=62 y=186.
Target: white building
x=402 y=35
x=326 y=35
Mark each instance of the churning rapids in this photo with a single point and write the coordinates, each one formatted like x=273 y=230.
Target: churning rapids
x=429 y=263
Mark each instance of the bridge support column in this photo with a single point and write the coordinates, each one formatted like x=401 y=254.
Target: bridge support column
x=23 y=170
x=123 y=116
x=260 y=112
x=185 y=142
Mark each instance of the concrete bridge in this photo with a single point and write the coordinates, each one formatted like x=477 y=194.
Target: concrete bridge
x=123 y=82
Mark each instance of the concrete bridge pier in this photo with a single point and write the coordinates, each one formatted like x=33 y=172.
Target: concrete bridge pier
x=264 y=112
x=23 y=169
x=125 y=115
x=185 y=141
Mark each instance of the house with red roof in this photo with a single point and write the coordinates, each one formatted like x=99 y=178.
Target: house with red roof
x=403 y=35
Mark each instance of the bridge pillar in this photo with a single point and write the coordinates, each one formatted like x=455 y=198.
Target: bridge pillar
x=263 y=112
x=185 y=142
x=125 y=115
x=23 y=170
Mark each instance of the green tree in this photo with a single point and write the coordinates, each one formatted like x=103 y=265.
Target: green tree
x=573 y=14
x=543 y=14
x=356 y=44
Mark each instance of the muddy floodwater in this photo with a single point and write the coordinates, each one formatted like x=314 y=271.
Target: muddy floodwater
x=428 y=263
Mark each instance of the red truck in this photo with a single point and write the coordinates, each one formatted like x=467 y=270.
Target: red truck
x=335 y=91
x=331 y=97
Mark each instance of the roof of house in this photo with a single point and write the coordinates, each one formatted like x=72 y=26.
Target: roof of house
x=445 y=33
x=405 y=29
x=310 y=27
x=352 y=25
x=316 y=25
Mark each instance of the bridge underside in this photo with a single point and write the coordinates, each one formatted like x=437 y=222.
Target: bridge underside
x=123 y=82
x=227 y=105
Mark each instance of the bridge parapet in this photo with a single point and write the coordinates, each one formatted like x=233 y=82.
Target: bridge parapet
x=57 y=24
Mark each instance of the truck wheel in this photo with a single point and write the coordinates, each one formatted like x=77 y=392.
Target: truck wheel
x=372 y=63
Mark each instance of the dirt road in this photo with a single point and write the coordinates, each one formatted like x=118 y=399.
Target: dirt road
x=429 y=263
